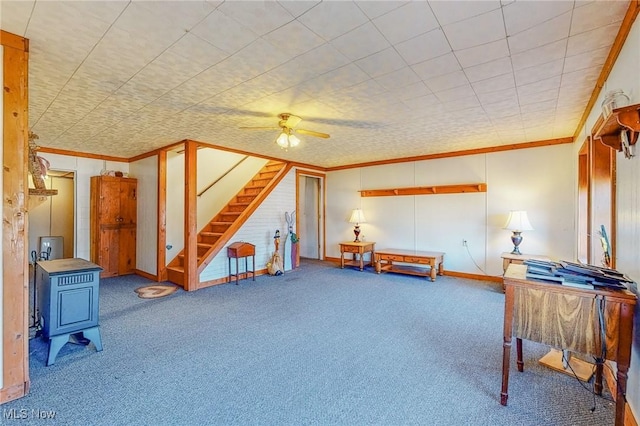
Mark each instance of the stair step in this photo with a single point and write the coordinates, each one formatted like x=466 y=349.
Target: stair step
x=261 y=182
x=248 y=198
x=237 y=207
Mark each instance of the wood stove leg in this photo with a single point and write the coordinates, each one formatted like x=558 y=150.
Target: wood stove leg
x=93 y=334
x=55 y=344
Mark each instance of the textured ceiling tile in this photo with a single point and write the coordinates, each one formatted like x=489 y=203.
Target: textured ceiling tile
x=592 y=40
x=444 y=64
x=411 y=91
x=539 y=72
x=527 y=97
x=456 y=93
x=299 y=7
x=484 y=53
x=361 y=42
x=584 y=60
x=399 y=78
x=381 y=63
x=541 y=35
x=424 y=47
x=198 y=51
x=262 y=17
x=540 y=55
x=493 y=84
x=223 y=32
x=336 y=80
x=597 y=14
x=475 y=31
x=295 y=38
x=332 y=19
x=407 y=21
x=374 y=9
x=488 y=70
x=15 y=15
x=504 y=95
x=522 y=15
x=463 y=10
x=321 y=59
x=447 y=81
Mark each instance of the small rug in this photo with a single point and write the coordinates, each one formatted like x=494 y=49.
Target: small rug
x=155 y=291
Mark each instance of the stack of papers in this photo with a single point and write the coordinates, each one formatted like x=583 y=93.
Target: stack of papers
x=576 y=274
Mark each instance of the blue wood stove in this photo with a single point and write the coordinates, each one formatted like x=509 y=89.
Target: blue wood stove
x=68 y=300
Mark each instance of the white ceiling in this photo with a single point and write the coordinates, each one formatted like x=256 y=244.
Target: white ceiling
x=387 y=79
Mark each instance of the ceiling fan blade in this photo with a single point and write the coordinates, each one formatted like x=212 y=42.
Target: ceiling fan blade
x=259 y=128
x=312 y=133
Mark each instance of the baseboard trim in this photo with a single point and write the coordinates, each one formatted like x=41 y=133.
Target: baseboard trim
x=147 y=275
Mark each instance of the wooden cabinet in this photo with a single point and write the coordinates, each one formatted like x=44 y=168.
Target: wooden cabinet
x=113 y=224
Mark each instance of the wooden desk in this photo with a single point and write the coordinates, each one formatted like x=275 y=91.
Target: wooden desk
x=358 y=249
x=237 y=251
x=384 y=262
x=567 y=318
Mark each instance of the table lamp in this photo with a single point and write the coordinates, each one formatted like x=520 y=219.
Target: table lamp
x=517 y=222
x=357 y=217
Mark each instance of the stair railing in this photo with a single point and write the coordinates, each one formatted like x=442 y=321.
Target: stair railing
x=223 y=175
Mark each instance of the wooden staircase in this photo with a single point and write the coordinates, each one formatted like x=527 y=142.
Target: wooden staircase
x=217 y=233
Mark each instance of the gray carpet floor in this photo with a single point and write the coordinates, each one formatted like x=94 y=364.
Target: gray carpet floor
x=317 y=346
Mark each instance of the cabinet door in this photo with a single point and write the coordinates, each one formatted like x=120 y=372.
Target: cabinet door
x=127 y=250
x=108 y=255
x=128 y=202
x=109 y=202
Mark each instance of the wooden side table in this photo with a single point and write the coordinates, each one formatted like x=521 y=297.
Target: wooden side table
x=358 y=249
x=239 y=250
x=518 y=259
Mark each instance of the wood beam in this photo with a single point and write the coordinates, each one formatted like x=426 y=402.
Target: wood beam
x=15 y=272
x=191 y=276
x=161 y=267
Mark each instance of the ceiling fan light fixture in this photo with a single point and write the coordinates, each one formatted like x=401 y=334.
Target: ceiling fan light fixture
x=283 y=140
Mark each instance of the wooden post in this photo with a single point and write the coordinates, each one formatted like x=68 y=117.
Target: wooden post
x=161 y=268
x=191 y=276
x=15 y=272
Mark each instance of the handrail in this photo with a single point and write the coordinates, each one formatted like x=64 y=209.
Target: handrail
x=225 y=173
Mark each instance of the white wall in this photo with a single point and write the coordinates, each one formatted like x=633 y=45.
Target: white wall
x=146 y=172
x=539 y=180
x=625 y=75
x=84 y=168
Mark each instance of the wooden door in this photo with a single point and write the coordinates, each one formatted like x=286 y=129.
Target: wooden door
x=128 y=203
x=127 y=249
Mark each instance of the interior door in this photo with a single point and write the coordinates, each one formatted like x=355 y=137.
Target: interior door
x=310 y=217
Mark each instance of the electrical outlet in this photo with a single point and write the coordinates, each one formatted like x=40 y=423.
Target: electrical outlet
x=464 y=243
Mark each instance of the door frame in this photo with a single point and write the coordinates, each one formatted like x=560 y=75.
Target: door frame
x=322 y=195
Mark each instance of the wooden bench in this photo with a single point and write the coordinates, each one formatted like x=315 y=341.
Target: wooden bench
x=384 y=262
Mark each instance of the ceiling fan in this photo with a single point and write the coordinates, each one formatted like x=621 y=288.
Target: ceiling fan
x=287 y=138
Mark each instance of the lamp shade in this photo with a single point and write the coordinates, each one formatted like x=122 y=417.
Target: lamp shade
x=518 y=221
x=357 y=216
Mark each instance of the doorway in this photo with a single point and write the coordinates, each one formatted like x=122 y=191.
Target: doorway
x=52 y=218
x=310 y=205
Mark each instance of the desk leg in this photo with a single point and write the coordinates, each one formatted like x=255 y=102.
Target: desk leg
x=597 y=385
x=623 y=359
x=519 y=353
x=506 y=344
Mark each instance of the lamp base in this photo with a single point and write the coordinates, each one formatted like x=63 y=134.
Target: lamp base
x=516 y=239
x=356 y=231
